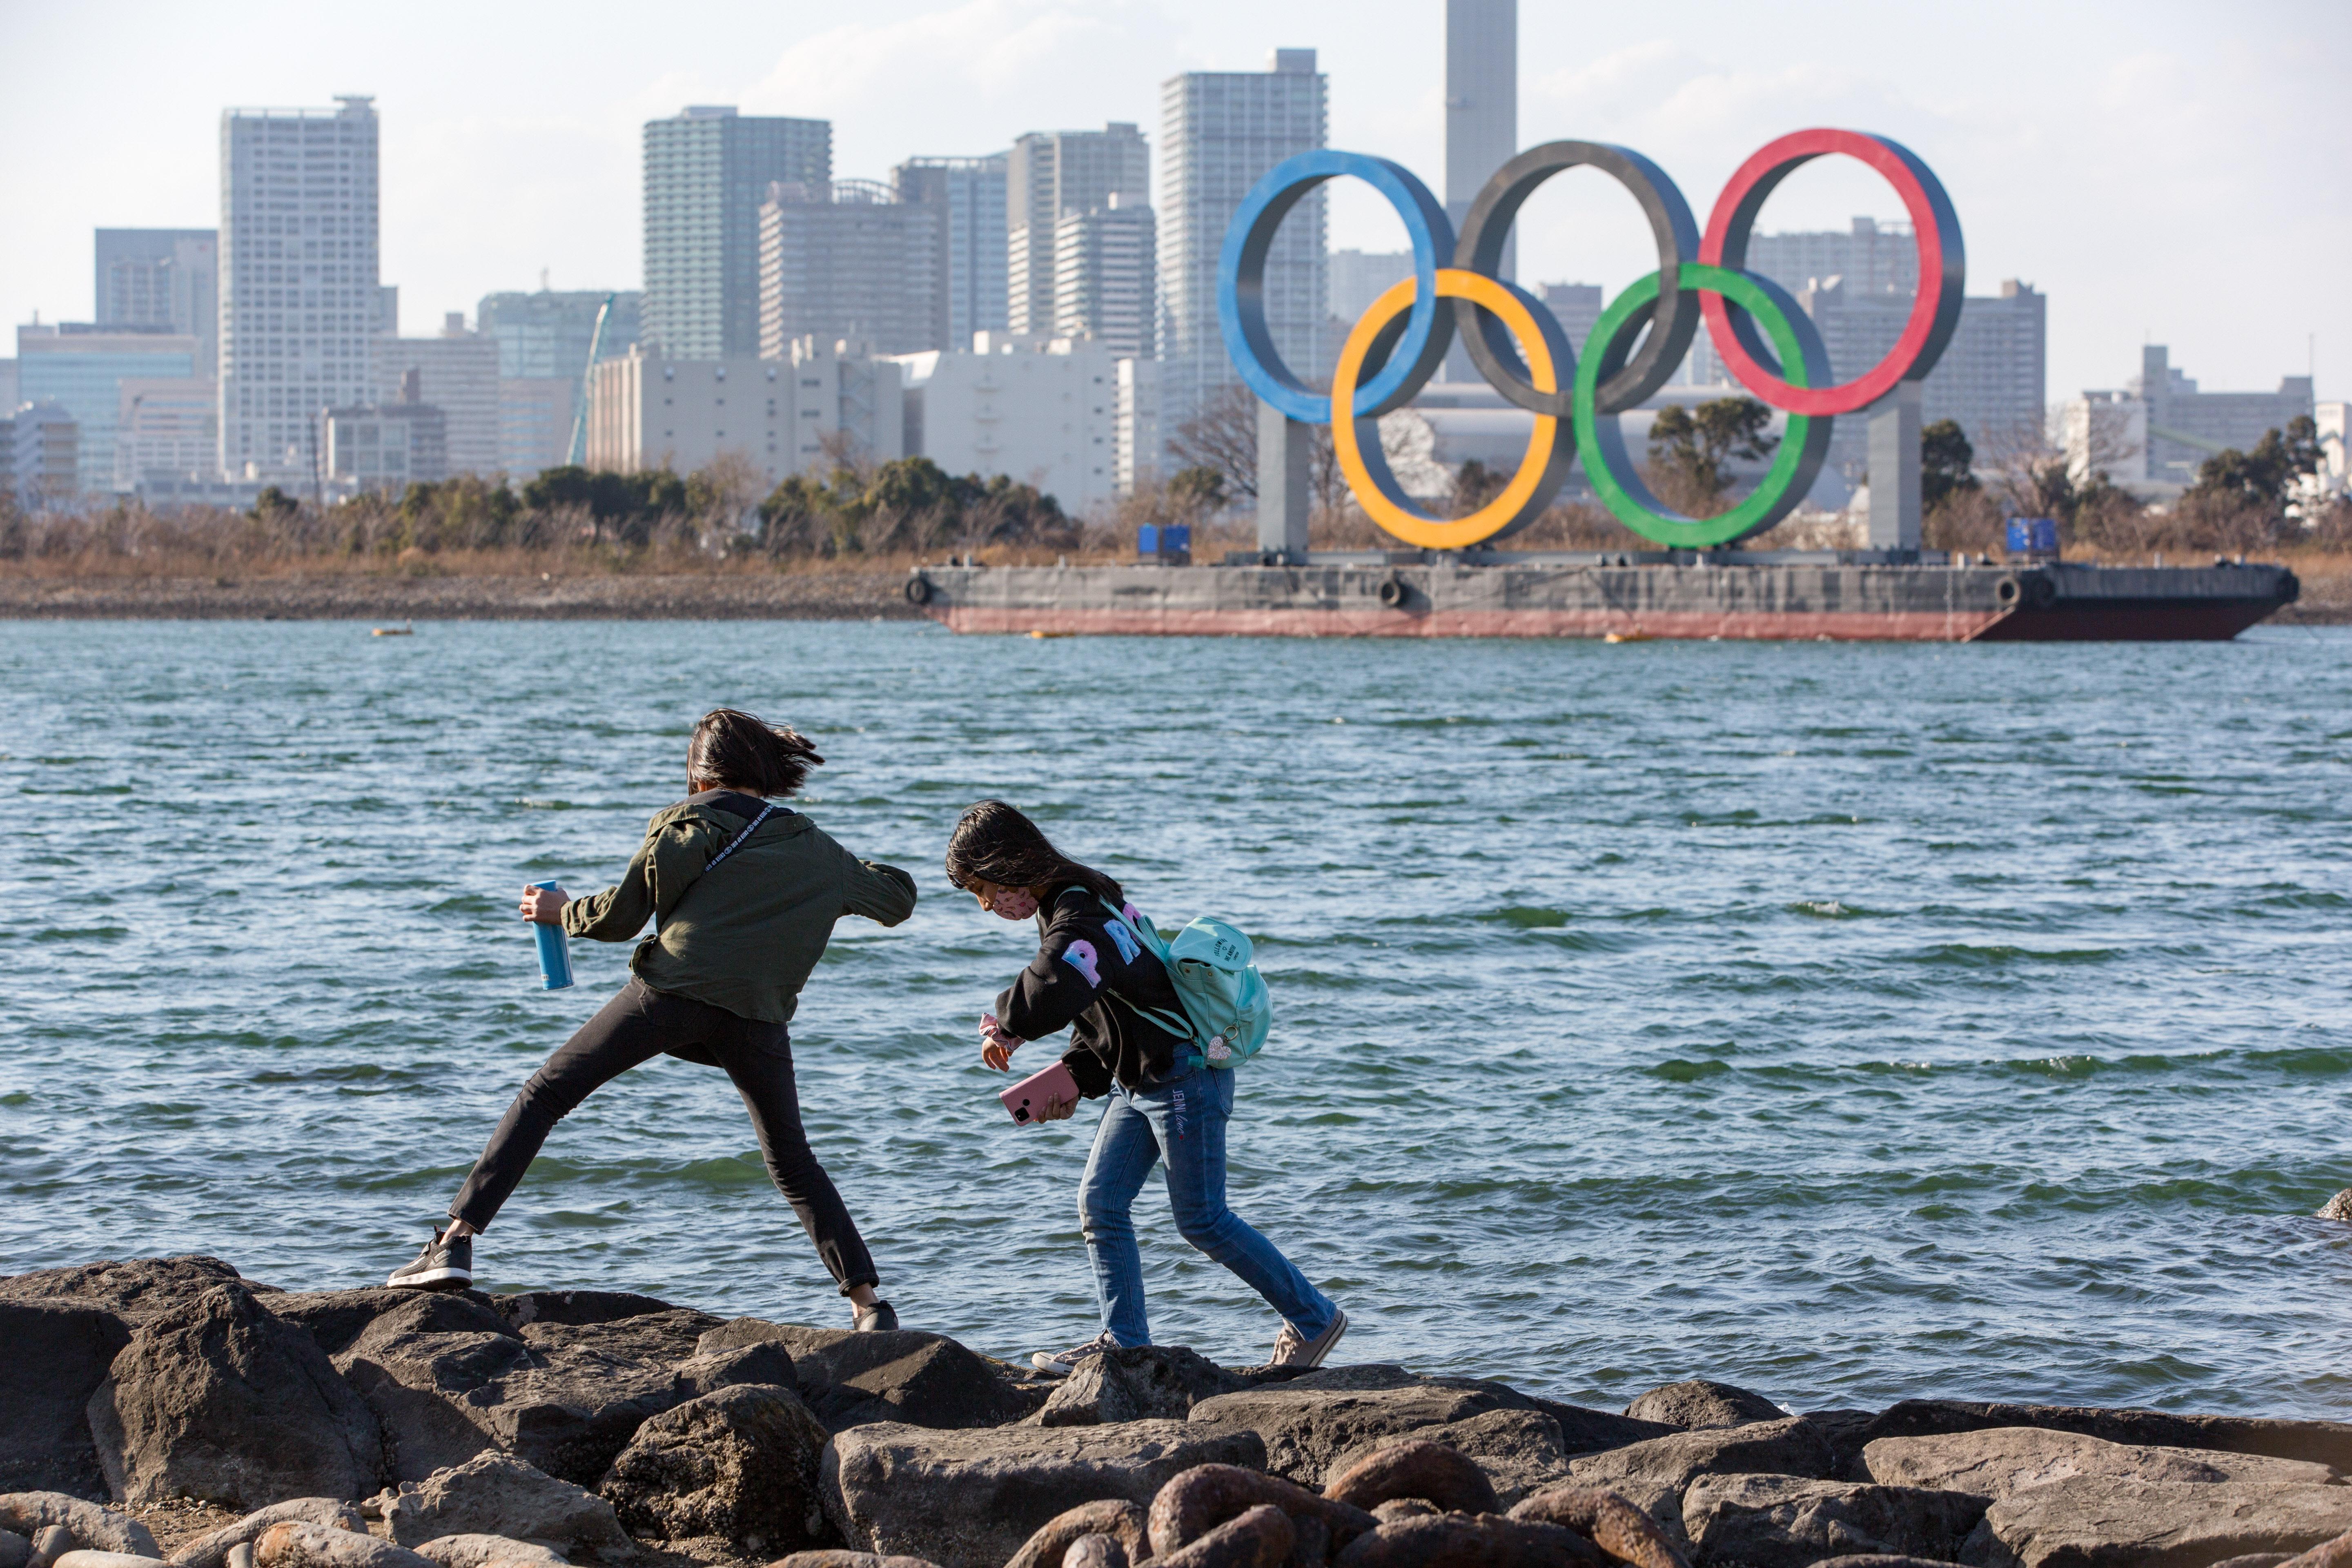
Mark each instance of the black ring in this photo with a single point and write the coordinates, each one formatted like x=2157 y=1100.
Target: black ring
x=1480 y=250
x=918 y=590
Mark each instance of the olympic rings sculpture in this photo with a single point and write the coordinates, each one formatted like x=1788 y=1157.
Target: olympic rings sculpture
x=1766 y=341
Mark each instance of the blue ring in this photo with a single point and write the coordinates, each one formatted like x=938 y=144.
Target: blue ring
x=1240 y=285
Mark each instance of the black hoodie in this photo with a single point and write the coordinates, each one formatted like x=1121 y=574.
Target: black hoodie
x=1092 y=974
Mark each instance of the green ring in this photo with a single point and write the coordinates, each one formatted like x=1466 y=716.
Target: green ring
x=1601 y=448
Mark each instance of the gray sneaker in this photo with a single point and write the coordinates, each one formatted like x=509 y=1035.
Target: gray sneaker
x=1292 y=1348
x=443 y=1264
x=1061 y=1364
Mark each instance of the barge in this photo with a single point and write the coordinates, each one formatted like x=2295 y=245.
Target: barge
x=1855 y=595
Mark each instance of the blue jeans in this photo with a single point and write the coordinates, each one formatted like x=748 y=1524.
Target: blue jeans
x=1183 y=1120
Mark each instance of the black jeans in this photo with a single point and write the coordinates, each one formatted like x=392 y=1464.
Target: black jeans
x=633 y=1027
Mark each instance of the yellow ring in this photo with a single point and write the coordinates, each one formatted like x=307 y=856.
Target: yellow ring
x=1391 y=511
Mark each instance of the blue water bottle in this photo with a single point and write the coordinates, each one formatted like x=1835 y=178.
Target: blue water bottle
x=554 y=951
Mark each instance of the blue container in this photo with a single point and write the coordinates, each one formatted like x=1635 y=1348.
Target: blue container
x=554 y=952
x=2034 y=536
x=1176 y=539
x=1147 y=540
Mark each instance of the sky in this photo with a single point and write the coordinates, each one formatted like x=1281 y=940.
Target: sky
x=2164 y=172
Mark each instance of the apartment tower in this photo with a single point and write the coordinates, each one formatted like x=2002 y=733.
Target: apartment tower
x=707 y=170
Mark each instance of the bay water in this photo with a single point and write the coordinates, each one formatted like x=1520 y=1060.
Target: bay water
x=1846 y=1021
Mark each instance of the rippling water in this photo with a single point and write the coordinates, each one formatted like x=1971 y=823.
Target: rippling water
x=1847 y=1022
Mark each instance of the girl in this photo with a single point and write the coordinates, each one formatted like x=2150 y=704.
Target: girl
x=1091 y=972
x=743 y=893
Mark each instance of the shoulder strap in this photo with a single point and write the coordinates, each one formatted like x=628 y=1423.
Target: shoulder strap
x=737 y=843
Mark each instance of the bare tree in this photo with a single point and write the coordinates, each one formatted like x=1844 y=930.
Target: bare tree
x=1222 y=438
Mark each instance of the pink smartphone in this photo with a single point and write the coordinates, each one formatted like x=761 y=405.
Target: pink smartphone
x=1033 y=1094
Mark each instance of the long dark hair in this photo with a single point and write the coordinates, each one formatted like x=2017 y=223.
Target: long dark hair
x=995 y=842
x=733 y=749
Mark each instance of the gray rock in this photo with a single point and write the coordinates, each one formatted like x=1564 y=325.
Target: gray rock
x=335 y=1319
x=2337 y=1208
x=576 y=1309
x=2000 y=1461
x=1519 y=1450
x=768 y=1362
x=1309 y=1422
x=1789 y=1447
x=89 y=1526
x=835 y=1559
x=2257 y=1560
x=51 y=1542
x=1148 y=1383
x=135 y=1291
x=15 y=1550
x=1587 y=1431
x=1785 y=1522
x=740 y=1462
x=903 y=1376
x=1882 y=1560
x=296 y=1545
x=2326 y=1443
x=217 y=1400
x=57 y=1356
x=78 y=1559
x=565 y=1398
x=212 y=1550
x=480 y=1550
x=498 y=1494
x=1697 y=1405
x=1846 y=1432
x=969 y=1499
x=2105 y=1521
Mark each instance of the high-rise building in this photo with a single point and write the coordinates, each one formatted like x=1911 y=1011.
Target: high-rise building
x=1220 y=133
x=1135 y=425
x=1576 y=307
x=1360 y=277
x=383 y=448
x=457 y=372
x=1482 y=120
x=1991 y=377
x=969 y=195
x=543 y=339
x=39 y=452
x=2157 y=430
x=707 y=170
x=297 y=281
x=785 y=415
x=1049 y=174
x=1872 y=260
x=848 y=261
x=166 y=278
x=82 y=367
x=1104 y=268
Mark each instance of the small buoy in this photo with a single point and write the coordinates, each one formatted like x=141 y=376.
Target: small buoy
x=1628 y=636
x=405 y=629
x=1041 y=636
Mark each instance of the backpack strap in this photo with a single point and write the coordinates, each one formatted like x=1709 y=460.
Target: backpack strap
x=737 y=841
x=1179 y=1023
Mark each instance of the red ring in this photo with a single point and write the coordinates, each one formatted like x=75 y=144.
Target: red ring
x=1935 y=230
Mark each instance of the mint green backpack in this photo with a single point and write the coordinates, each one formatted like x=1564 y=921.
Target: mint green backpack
x=1227 y=1008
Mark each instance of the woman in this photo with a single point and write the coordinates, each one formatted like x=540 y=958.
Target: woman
x=743 y=893
x=1092 y=972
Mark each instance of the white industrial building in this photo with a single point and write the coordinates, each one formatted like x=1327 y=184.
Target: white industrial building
x=166 y=428
x=1043 y=411
x=648 y=411
x=2152 y=435
x=299 y=300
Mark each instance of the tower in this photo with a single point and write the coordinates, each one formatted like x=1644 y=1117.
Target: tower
x=1482 y=119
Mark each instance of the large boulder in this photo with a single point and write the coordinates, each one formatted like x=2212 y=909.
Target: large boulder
x=1520 y=1451
x=2000 y=1461
x=450 y=1379
x=969 y=1499
x=91 y=1527
x=1653 y=1473
x=335 y=1319
x=293 y=1544
x=574 y=1309
x=2106 y=1521
x=57 y=1356
x=498 y=1494
x=1148 y=1383
x=483 y=1550
x=133 y=1291
x=1785 y=1522
x=212 y=1550
x=1309 y=1423
x=1697 y=1405
x=1584 y=1430
x=902 y=1377
x=2321 y=1442
x=216 y=1399
x=739 y=1463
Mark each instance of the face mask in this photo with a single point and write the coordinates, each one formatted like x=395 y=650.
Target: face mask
x=1015 y=904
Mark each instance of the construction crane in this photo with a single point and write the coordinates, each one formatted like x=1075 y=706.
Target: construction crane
x=578 y=453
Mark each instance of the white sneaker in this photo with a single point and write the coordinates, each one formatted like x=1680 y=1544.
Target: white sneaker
x=1062 y=1364
x=1292 y=1348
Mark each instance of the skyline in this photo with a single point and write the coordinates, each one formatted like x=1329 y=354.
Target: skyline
x=2205 y=155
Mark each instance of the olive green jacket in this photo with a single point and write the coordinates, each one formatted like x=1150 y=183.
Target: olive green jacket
x=744 y=935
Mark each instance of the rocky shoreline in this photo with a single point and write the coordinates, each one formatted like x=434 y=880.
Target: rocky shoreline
x=390 y=596
x=171 y=1410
